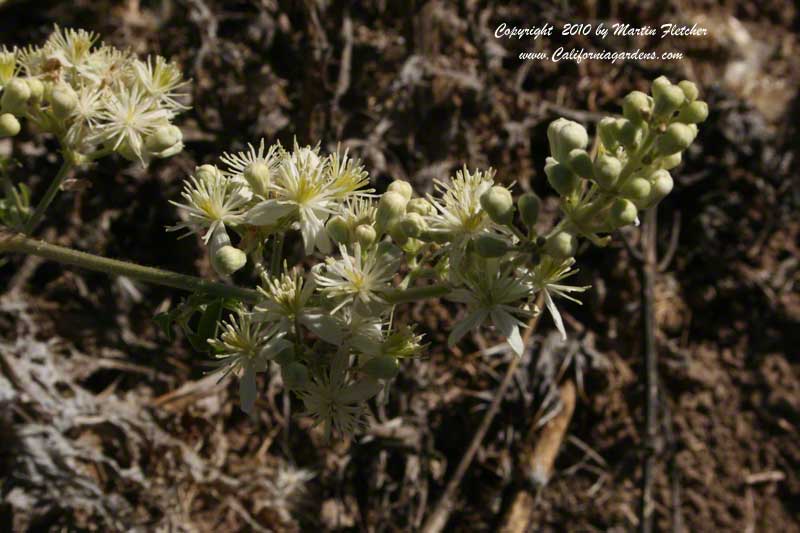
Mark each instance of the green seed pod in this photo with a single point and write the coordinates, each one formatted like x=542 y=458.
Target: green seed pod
x=529 y=206
x=295 y=375
x=37 y=89
x=15 y=96
x=207 y=173
x=391 y=206
x=9 y=125
x=562 y=245
x=402 y=187
x=662 y=185
x=581 y=163
x=636 y=189
x=381 y=367
x=689 y=90
x=562 y=179
x=566 y=136
x=694 y=113
x=498 y=204
x=63 y=100
x=667 y=98
x=338 y=229
x=675 y=139
x=490 y=245
x=607 y=170
x=623 y=212
x=608 y=130
x=637 y=107
x=163 y=138
x=630 y=135
x=411 y=225
x=671 y=161
x=258 y=175
x=365 y=235
x=228 y=260
x=420 y=206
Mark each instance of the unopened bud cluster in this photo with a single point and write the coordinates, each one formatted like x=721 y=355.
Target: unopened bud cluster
x=94 y=98
x=330 y=330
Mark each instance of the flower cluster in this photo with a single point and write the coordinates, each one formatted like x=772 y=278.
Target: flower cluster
x=94 y=98
x=329 y=328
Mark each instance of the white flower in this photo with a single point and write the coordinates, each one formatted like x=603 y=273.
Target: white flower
x=161 y=80
x=546 y=277
x=490 y=294
x=209 y=203
x=70 y=47
x=129 y=116
x=245 y=347
x=336 y=402
x=357 y=279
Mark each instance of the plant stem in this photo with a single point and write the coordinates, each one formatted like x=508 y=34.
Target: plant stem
x=49 y=195
x=277 y=252
x=19 y=243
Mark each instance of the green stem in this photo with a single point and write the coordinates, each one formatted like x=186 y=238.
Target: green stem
x=49 y=195
x=19 y=243
x=277 y=252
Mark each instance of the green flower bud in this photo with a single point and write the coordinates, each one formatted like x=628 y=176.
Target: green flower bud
x=689 y=90
x=338 y=229
x=581 y=163
x=9 y=125
x=411 y=225
x=37 y=89
x=562 y=179
x=636 y=189
x=529 y=206
x=163 y=138
x=671 y=161
x=623 y=212
x=420 y=206
x=63 y=100
x=439 y=236
x=630 y=135
x=365 y=234
x=258 y=176
x=667 y=98
x=676 y=138
x=295 y=375
x=637 y=107
x=694 y=113
x=402 y=187
x=391 y=206
x=228 y=260
x=15 y=95
x=662 y=185
x=498 y=204
x=606 y=170
x=565 y=136
x=381 y=367
x=561 y=245
x=490 y=245
x=207 y=173
x=608 y=130
x=659 y=84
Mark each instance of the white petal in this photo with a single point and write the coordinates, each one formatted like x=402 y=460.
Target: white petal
x=508 y=326
x=472 y=320
x=551 y=306
x=247 y=389
x=311 y=227
x=323 y=326
x=268 y=212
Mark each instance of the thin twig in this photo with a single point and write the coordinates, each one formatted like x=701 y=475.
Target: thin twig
x=649 y=270
x=438 y=518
